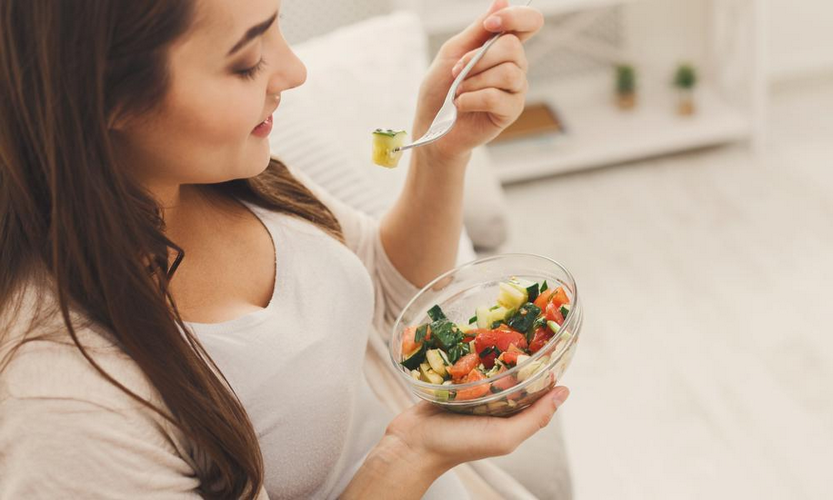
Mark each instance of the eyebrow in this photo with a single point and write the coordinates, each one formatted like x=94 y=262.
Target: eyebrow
x=254 y=32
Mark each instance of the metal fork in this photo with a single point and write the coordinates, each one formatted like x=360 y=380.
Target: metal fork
x=447 y=115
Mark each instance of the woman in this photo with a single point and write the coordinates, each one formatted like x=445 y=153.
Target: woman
x=181 y=315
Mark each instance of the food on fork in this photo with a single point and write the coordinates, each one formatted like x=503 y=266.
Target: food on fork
x=385 y=145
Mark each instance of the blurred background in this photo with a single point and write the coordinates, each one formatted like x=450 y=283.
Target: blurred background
x=677 y=156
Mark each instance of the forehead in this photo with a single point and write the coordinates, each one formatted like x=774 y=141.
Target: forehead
x=225 y=21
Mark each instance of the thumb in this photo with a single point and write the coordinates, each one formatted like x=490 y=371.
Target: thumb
x=476 y=34
x=521 y=426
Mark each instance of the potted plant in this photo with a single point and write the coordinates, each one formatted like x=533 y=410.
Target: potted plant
x=685 y=80
x=626 y=86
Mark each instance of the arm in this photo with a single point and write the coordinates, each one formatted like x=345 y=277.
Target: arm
x=57 y=447
x=421 y=231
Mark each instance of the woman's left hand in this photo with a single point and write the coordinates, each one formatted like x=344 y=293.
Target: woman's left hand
x=492 y=96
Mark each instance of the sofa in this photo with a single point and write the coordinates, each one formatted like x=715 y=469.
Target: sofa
x=365 y=64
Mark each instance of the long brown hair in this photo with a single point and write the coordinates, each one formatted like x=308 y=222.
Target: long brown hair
x=67 y=212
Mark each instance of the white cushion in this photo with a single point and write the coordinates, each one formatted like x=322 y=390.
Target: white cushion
x=362 y=77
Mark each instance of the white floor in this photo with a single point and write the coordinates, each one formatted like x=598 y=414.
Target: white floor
x=705 y=368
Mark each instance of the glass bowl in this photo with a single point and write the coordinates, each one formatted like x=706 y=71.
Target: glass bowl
x=459 y=292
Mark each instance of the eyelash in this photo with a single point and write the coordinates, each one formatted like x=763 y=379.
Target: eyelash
x=251 y=73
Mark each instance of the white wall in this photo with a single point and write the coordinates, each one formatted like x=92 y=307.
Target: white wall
x=800 y=37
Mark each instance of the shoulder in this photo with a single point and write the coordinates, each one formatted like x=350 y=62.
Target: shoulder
x=59 y=414
x=39 y=357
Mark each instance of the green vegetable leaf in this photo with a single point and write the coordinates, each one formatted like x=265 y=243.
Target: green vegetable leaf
x=473 y=319
x=445 y=334
x=489 y=350
x=532 y=292
x=544 y=286
x=458 y=351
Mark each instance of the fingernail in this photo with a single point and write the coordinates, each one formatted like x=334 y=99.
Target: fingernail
x=493 y=22
x=457 y=67
x=560 y=395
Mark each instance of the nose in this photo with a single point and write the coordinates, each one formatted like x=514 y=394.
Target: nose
x=289 y=73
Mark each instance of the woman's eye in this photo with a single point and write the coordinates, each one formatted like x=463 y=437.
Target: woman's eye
x=251 y=73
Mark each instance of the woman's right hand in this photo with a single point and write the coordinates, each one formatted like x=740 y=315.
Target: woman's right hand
x=444 y=440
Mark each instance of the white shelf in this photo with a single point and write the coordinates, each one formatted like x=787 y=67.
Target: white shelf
x=600 y=134
x=442 y=16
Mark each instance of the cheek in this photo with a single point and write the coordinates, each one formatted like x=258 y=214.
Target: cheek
x=202 y=134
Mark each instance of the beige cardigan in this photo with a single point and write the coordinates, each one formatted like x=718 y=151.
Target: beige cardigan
x=65 y=431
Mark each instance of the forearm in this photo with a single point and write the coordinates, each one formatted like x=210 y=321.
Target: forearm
x=391 y=471
x=421 y=232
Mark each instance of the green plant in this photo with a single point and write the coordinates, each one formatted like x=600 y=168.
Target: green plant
x=625 y=79
x=686 y=77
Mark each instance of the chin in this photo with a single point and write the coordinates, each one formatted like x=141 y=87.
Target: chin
x=254 y=165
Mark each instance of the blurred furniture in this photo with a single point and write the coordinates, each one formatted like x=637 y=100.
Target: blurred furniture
x=572 y=62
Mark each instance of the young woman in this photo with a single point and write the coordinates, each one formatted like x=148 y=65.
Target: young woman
x=182 y=316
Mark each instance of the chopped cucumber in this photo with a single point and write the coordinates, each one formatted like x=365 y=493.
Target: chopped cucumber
x=441 y=394
x=436 y=313
x=510 y=296
x=429 y=375
x=413 y=360
x=498 y=315
x=385 y=143
x=528 y=288
x=483 y=317
x=555 y=327
x=524 y=320
x=565 y=310
x=415 y=374
x=436 y=361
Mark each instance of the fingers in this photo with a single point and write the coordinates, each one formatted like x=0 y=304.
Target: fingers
x=502 y=107
x=475 y=35
x=524 y=22
x=508 y=48
x=508 y=77
x=518 y=428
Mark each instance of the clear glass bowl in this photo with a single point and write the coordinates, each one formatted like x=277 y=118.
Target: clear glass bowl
x=459 y=292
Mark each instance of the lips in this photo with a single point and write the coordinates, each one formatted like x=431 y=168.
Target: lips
x=265 y=127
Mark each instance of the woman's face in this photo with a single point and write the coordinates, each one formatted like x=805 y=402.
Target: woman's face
x=226 y=77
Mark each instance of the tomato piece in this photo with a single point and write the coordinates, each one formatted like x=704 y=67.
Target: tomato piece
x=511 y=355
x=542 y=336
x=463 y=366
x=554 y=314
x=499 y=338
x=474 y=392
x=560 y=298
x=543 y=298
x=408 y=344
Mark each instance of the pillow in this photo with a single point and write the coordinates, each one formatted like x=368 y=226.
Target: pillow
x=362 y=77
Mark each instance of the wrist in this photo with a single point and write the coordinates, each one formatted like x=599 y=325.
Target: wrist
x=434 y=157
x=393 y=469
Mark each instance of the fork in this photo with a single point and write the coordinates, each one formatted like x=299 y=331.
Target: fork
x=447 y=115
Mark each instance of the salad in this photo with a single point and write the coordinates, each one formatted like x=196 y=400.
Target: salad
x=526 y=317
